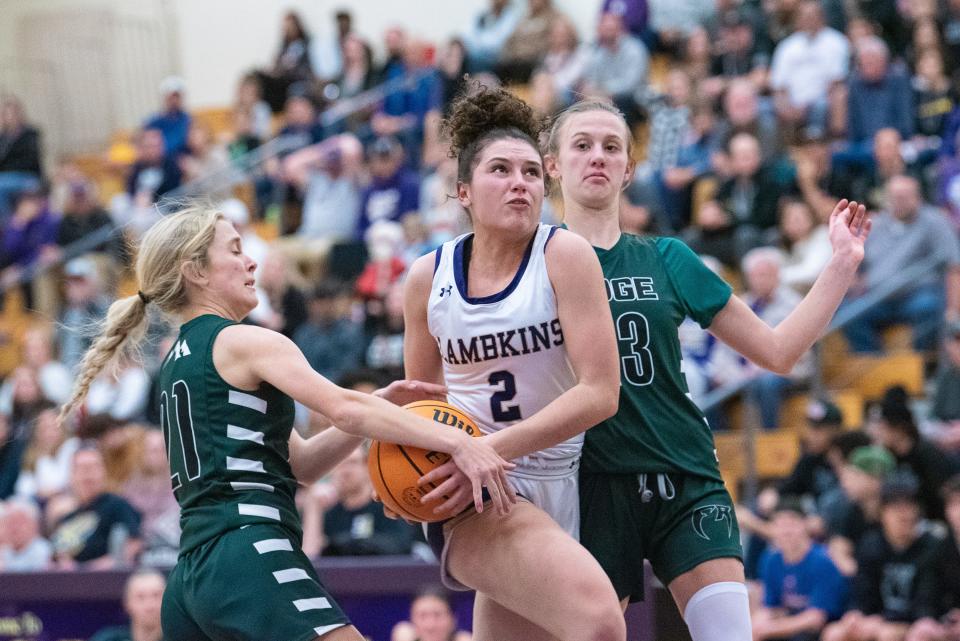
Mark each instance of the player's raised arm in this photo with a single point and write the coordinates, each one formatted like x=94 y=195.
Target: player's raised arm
x=778 y=349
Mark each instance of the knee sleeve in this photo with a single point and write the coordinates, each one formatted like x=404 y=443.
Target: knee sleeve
x=719 y=612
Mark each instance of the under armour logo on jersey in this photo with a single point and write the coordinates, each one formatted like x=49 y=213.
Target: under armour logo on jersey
x=445 y=291
x=706 y=514
x=180 y=349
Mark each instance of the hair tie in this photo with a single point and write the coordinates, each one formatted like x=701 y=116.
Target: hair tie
x=143 y=297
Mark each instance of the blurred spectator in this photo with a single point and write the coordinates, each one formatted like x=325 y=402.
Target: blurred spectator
x=384 y=241
x=669 y=117
x=405 y=112
x=241 y=140
x=938 y=586
x=249 y=100
x=671 y=21
x=878 y=96
x=385 y=351
x=394 y=190
x=488 y=34
x=284 y=298
x=918 y=459
x=300 y=120
x=172 y=121
x=16 y=428
x=82 y=214
x=356 y=525
x=523 y=50
x=616 y=67
x=451 y=67
x=693 y=163
x=818 y=185
x=808 y=245
x=327 y=55
x=37 y=354
x=742 y=114
x=772 y=301
x=12 y=446
x=149 y=491
x=805 y=67
x=395 y=47
x=331 y=341
x=737 y=51
x=25 y=550
x=907 y=233
x=933 y=99
x=803 y=590
x=554 y=81
x=142 y=599
x=45 y=470
x=203 y=158
x=889 y=561
x=20 y=154
x=155 y=171
x=633 y=13
x=29 y=240
x=120 y=443
x=103 y=531
x=833 y=505
x=431 y=619
x=696 y=58
x=356 y=76
x=744 y=213
x=813 y=476
x=120 y=391
x=291 y=65
x=868 y=185
x=83 y=308
x=945 y=399
x=328 y=176
x=443 y=216
x=861 y=477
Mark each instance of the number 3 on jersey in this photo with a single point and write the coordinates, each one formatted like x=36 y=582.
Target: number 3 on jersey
x=185 y=458
x=633 y=329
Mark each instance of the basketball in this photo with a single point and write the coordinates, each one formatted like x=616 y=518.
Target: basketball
x=395 y=469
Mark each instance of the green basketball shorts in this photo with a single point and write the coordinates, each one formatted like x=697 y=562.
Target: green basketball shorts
x=252 y=583
x=676 y=521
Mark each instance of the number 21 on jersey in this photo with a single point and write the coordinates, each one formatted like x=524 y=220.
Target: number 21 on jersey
x=183 y=459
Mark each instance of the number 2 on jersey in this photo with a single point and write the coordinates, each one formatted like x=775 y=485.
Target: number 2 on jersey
x=187 y=459
x=633 y=329
x=509 y=390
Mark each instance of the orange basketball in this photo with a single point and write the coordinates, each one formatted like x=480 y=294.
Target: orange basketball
x=395 y=469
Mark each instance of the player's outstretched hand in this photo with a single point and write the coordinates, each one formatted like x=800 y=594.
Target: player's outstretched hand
x=479 y=466
x=403 y=392
x=849 y=228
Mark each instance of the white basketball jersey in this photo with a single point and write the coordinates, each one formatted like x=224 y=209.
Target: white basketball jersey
x=504 y=357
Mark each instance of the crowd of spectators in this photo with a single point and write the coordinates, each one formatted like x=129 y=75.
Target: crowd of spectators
x=755 y=118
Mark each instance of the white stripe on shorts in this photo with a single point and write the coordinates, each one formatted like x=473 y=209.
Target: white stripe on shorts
x=323 y=629
x=244 y=465
x=273 y=545
x=243 y=434
x=247 y=400
x=292 y=574
x=265 y=511
x=318 y=603
x=240 y=486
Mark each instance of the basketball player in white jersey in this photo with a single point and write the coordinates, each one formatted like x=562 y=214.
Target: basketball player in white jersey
x=513 y=320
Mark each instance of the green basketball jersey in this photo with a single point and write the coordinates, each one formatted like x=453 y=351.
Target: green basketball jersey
x=652 y=285
x=228 y=448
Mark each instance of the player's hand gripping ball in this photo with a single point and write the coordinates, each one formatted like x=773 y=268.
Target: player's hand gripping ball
x=395 y=469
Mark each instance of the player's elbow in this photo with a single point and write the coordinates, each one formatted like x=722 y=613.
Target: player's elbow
x=606 y=401
x=347 y=414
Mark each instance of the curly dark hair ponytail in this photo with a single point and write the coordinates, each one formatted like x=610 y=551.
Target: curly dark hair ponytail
x=480 y=115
